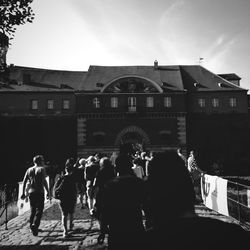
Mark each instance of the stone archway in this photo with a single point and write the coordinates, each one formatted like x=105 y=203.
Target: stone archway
x=132 y=134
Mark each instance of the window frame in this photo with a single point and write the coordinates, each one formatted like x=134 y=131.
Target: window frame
x=50 y=104
x=34 y=104
x=114 y=102
x=149 y=101
x=215 y=102
x=132 y=103
x=202 y=102
x=64 y=102
x=232 y=102
x=96 y=102
x=167 y=101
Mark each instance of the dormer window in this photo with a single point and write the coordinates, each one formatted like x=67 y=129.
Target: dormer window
x=96 y=102
x=99 y=84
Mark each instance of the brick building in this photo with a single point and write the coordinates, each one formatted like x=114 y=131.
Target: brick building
x=68 y=113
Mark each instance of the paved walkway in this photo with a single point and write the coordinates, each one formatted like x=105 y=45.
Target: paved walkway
x=84 y=235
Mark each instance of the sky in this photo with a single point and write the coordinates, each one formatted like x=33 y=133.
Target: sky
x=74 y=34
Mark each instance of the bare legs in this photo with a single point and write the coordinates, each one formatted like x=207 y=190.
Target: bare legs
x=65 y=218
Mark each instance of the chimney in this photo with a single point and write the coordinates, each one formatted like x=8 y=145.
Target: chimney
x=155 y=64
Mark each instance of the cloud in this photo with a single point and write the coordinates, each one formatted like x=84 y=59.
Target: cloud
x=216 y=55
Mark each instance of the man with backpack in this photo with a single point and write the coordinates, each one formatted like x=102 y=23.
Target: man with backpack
x=36 y=177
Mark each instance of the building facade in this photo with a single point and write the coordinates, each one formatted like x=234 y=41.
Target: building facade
x=80 y=113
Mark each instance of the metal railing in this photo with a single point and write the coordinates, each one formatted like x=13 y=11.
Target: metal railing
x=8 y=196
x=4 y=206
x=238 y=200
x=238 y=196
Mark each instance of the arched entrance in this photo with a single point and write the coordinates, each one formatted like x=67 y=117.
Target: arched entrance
x=133 y=135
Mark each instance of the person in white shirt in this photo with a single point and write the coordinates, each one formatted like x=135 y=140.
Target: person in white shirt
x=137 y=168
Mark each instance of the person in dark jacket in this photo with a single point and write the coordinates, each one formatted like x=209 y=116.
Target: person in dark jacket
x=122 y=201
x=175 y=225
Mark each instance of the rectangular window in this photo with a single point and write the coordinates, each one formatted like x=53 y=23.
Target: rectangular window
x=167 y=102
x=201 y=102
x=34 y=104
x=150 y=102
x=114 y=102
x=50 y=104
x=96 y=102
x=65 y=104
x=132 y=104
x=215 y=102
x=232 y=102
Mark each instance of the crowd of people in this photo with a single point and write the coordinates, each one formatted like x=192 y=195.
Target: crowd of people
x=141 y=201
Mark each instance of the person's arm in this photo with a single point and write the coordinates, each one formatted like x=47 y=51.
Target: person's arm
x=45 y=184
x=142 y=171
x=25 y=179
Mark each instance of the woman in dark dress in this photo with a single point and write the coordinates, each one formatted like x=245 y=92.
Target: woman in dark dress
x=68 y=197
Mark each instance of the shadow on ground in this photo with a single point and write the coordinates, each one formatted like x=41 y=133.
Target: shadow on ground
x=54 y=213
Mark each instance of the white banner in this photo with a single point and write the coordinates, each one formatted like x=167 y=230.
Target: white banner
x=24 y=205
x=248 y=198
x=214 y=193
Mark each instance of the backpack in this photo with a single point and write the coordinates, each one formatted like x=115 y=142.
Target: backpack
x=58 y=188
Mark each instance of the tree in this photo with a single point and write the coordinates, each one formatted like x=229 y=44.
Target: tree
x=14 y=13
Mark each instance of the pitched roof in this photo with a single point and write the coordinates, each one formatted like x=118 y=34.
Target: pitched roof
x=230 y=76
x=43 y=79
x=97 y=78
x=104 y=75
x=197 y=78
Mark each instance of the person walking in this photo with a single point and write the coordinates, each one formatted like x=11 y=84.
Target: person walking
x=104 y=174
x=122 y=201
x=36 y=177
x=175 y=223
x=91 y=169
x=68 y=196
x=137 y=168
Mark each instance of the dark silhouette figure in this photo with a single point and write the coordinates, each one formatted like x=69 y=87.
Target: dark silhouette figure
x=122 y=201
x=68 y=198
x=175 y=224
x=104 y=174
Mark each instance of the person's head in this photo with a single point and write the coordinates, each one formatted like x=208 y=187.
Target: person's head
x=127 y=149
x=90 y=160
x=105 y=162
x=137 y=161
x=82 y=162
x=38 y=160
x=123 y=165
x=170 y=186
x=192 y=153
x=179 y=150
x=69 y=165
